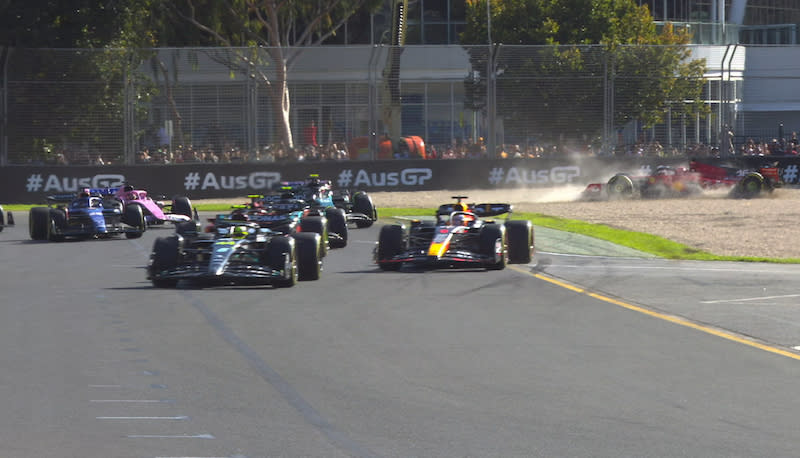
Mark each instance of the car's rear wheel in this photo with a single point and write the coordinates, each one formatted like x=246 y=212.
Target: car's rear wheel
x=492 y=243
x=134 y=217
x=362 y=203
x=391 y=242
x=58 y=222
x=281 y=254
x=620 y=186
x=750 y=186
x=520 y=241
x=181 y=205
x=318 y=225
x=309 y=262
x=39 y=223
x=337 y=224
x=166 y=251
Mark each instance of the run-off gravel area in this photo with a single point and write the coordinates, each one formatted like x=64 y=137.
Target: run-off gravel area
x=765 y=227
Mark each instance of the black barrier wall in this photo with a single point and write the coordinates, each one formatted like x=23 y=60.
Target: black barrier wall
x=31 y=184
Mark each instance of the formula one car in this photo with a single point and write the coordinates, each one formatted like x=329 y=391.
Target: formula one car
x=237 y=253
x=459 y=237
x=155 y=211
x=358 y=207
x=289 y=214
x=85 y=215
x=6 y=219
x=665 y=181
x=744 y=183
x=668 y=181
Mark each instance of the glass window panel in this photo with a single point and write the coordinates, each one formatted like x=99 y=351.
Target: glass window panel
x=436 y=34
x=434 y=10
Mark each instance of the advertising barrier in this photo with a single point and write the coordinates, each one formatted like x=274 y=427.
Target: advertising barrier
x=31 y=184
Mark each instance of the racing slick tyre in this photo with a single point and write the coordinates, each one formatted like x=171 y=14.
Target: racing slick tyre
x=520 y=241
x=134 y=216
x=391 y=242
x=337 y=224
x=164 y=256
x=362 y=203
x=39 y=223
x=2 y=219
x=493 y=239
x=281 y=254
x=319 y=225
x=188 y=229
x=58 y=222
x=181 y=205
x=309 y=262
x=750 y=186
x=620 y=186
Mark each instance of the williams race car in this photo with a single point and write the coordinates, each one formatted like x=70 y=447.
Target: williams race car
x=85 y=215
x=237 y=253
x=358 y=207
x=6 y=219
x=459 y=237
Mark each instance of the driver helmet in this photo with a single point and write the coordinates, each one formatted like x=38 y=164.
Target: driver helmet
x=85 y=192
x=463 y=219
x=239 y=232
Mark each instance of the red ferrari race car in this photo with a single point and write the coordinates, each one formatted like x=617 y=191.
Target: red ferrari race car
x=667 y=181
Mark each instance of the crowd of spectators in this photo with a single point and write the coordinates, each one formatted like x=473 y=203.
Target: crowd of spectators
x=339 y=151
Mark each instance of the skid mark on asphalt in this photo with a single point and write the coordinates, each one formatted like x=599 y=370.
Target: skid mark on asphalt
x=662 y=316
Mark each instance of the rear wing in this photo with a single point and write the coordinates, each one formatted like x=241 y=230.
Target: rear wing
x=61 y=198
x=480 y=210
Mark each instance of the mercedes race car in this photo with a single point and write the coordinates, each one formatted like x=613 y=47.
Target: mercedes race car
x=85 y=215
x=237 y=253
x=358 y=208
x=460 y=237
x=289 y=214
x=155 y=211
x=6 y=219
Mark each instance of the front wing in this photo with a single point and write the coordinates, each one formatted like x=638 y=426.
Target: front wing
x=456 y=258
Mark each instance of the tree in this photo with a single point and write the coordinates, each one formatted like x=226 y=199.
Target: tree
x=263 y=32
x=588 y=50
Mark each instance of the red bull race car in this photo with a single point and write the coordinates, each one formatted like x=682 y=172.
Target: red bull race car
x=461 y=236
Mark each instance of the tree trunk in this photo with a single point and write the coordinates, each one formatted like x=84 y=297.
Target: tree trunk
x=279 y=90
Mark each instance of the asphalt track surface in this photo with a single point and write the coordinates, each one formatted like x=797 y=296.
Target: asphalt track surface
x=574 y=355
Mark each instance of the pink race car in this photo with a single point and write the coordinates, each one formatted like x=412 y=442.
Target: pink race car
x=155 y=211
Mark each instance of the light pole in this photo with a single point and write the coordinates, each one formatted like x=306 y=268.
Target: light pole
x=490 y=110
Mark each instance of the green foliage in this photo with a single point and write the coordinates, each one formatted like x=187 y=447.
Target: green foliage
x=588 y=47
